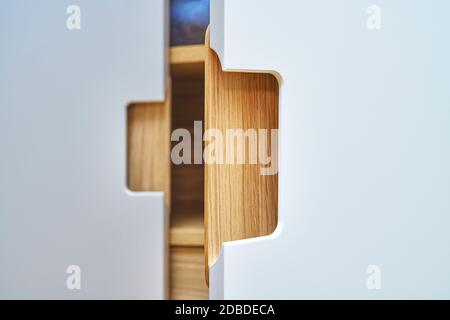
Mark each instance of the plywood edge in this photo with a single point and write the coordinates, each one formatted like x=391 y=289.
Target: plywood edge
x=207 y=99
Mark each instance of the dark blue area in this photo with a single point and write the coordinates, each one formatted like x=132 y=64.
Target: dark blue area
x=188 y=21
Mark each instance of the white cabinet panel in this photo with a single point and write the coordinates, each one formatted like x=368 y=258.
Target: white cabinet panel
x=364 y=206
x=63 y=195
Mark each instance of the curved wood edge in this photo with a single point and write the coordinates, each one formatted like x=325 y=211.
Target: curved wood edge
x=207 y=97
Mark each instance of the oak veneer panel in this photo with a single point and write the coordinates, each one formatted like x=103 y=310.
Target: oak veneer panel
x=187 y=281
x=240 y=203
x=149 y=127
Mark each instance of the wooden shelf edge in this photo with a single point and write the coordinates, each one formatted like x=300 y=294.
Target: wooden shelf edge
x=186 y=239
x=187 y=62
x=187 y=54
x=187 y=230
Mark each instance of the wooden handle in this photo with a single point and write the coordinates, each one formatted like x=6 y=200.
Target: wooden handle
x=240 y=203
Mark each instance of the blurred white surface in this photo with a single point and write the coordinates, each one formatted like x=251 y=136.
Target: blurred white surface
x=63 y=194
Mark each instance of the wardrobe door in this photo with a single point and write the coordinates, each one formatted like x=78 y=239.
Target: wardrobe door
x=74 y=223
x=363 y=177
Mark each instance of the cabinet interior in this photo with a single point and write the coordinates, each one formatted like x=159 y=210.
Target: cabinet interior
x=187 y=227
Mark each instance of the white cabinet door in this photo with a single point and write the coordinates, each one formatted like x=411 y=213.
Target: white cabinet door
x=68 y=70
x=364 y=176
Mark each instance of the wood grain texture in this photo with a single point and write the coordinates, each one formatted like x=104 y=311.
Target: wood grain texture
x=186 y=274
x=149 y=127
x=239 y=202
